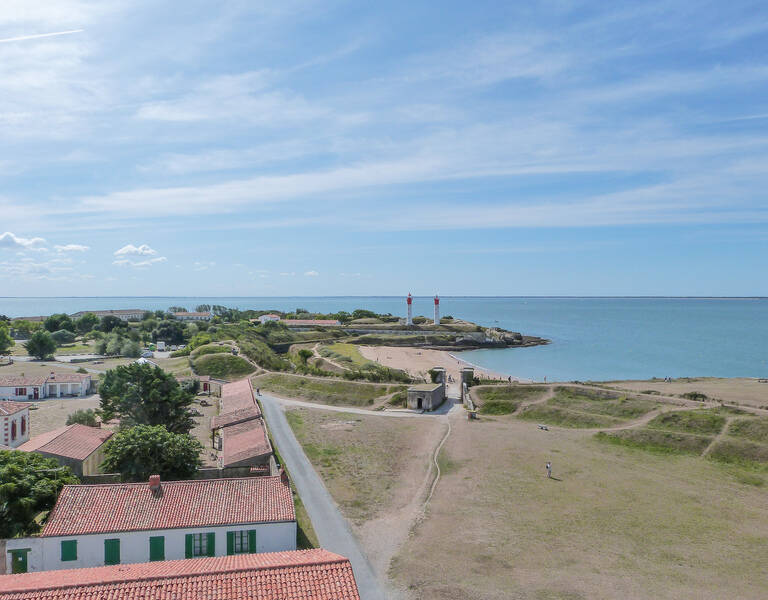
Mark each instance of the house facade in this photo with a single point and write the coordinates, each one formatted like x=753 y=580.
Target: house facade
x=110 y=524
x=79 y=447
x=128 y=314
x=14 y=424
x=267 y=318
x=193 y=316
x=54 y=385
x=297 y=575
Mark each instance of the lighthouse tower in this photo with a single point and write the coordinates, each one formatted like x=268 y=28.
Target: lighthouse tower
x=409 y=318
x=437 y=310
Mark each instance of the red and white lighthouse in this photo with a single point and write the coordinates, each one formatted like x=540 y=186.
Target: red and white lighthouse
x=437 y=310
x=409 y=318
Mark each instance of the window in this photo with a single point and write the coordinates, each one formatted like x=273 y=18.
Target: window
x=200 y=544
x=21 y=391
x=241 y=542
x=23 y=425
x=13 y=430
x=68 y=550
x=157 y=548
x=112 y=552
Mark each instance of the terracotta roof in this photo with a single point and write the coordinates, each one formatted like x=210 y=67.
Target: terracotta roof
x=244 y=441
x=11 y=408
x=68 y=377
x=235 y=417
x=104 y=508
x=192 y=314
x=309 y=322
x=237 y=395
x=299 y=575
x=73 y=441
x=21 y=380
x=104 y=313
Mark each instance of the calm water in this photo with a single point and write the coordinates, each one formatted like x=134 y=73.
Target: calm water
x=592 y=338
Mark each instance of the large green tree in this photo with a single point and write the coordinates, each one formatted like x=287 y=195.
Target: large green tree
x=144 y=450
x=40 y=345
x=29 y=485
x=110 y=323
x=86 y=323
x=169 y=331
x=59 y=321
x=140 y=394
x=63 y=336
x=6 y=341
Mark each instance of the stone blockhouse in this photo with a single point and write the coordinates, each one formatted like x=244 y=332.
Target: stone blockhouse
x=426 y=396
x=126 y=523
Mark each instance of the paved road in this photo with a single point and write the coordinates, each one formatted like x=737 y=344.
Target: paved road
x=332 y=529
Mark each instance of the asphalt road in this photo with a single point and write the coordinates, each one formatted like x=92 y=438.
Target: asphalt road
x=331 y=527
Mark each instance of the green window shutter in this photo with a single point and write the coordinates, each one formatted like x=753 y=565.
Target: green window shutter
x=251 y=540
x=188 y=545
x=112 y=552
x=157 y=548
x=211 y=544
x=230 y=543
x=69 y=550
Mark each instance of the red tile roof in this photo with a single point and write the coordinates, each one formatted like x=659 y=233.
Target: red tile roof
x=237 y=395
x=192 y=314
x=83 y=509
x=67 y=377
x=73 y=441
x=299 y=575
x=235 y=417
x=244 y=441
x=11 y=408
x=305 y=322
x=21 y=380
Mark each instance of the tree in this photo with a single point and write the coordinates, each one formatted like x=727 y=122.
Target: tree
x=144 y=450
x=86 y=323
x=203 y=308
x=141 y=394
x=130 y=349
x=305 y=355
x=26 y=327
x=41 y=345
x=83 y=417
x=171 y=332
x=29 y=485
x=59 y=321
x=109 y=323
x=62 y=336
x=6 y=341
x=175 y=309
x=361 y=313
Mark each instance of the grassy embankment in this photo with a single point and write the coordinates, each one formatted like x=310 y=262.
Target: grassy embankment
x=324 y=391
x=222 y=366
x=572 y=407
x=503 y=400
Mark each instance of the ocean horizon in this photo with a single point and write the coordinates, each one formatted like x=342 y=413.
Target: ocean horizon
x=592 y=337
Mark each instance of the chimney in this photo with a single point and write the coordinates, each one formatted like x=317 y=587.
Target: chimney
x=284 y=475
x=154 y=484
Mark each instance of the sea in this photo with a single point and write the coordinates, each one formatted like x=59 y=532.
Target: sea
x=593 y=339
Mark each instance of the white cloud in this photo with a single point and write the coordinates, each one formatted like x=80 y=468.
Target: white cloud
x=9 y=240
x=311 y=274
x=72 y=248
x=126 y=262
x=130 y=249
x=288 y=274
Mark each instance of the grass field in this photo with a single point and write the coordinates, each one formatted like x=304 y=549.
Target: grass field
x=503 y=400
x=344 y=354
x=580 y=408
x=749 y=392
x=656 y=440
x=704 y=422
x=324 y=391
x=222 y=366
x=755 y=429
x=615 y=523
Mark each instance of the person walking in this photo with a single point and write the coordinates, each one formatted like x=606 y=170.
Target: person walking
x=549 y=470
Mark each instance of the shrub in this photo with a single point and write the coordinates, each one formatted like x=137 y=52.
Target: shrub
x=697 y=396
x=62 y=336
x=83 y=417
x=223 y=366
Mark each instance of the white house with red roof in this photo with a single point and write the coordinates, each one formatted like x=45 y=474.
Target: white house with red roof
x=36 y=387
x=14 y=424
x=193 y=316
x=299 y=575
x=126 y=523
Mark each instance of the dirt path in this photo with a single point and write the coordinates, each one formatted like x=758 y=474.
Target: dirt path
x=330 y=361
x=718 y=437
x=548 y=396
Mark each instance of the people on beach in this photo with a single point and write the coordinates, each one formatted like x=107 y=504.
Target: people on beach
x=549 y=470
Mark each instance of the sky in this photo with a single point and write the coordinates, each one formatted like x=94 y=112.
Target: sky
x=356 y=148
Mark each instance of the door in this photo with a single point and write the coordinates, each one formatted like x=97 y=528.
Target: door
x=419 y=403
x=112 y=552
x=37 y=394
x=157 y=548
x=205 y=387
x=19 y=560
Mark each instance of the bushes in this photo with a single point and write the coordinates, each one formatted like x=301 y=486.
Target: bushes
x=83 y=417
x=62 y=336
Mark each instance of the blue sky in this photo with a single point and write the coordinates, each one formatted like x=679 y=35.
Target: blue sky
x=331 y=148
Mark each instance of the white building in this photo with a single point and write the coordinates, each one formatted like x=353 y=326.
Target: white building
x=54 y=385
x=130 y=314
x=109 y=524
x=14 y=424
x=193 y=316
x=266 y=318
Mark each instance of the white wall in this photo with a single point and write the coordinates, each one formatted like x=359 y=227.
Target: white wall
x=134 y=546
x=5 y=429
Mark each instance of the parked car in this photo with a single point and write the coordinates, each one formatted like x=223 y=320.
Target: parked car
x=174 y=348
x=147 y=354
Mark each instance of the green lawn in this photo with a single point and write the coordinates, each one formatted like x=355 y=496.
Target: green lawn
x=344 y=353
x=655 y=440
x=704 y=422
x=753 y=429
x=324 y=391
x=503 y=400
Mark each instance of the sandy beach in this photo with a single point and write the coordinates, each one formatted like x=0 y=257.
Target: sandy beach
x=418 y=361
